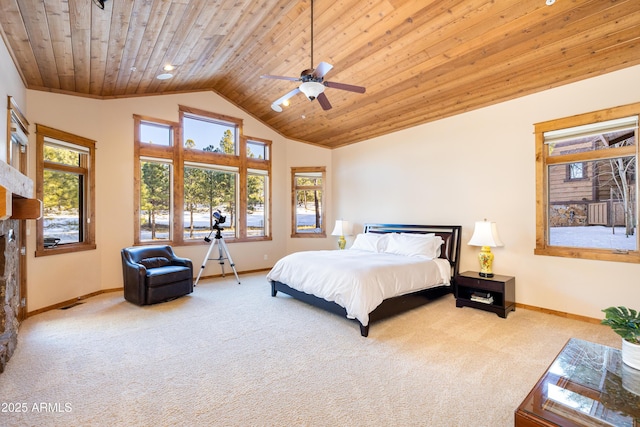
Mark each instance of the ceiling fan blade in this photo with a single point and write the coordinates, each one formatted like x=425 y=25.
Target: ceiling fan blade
x=268 y=76
x=324 y=101
x=276 y=104
x=343 y=86
x=322 y=69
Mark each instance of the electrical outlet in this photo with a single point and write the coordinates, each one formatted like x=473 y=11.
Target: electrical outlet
x=266 y=257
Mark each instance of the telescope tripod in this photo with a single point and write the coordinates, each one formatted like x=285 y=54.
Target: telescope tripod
x=223 y=253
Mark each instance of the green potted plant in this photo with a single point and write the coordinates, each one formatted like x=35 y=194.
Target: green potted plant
x=626 y=323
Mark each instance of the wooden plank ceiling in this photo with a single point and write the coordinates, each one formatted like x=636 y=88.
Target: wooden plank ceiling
x=420 y=60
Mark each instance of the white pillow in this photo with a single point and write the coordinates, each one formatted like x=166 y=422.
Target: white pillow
x=370 y=242
x=416 y=245
x=419 y=235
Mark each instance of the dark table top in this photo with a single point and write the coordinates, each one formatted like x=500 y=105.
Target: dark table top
x=587 y=384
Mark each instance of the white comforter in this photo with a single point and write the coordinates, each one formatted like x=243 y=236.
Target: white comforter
x=358 y=280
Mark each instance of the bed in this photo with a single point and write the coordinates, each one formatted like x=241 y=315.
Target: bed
x=390 y=268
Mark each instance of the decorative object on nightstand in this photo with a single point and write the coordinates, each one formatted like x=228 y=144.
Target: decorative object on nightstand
x=485 y=234
x=342 y=228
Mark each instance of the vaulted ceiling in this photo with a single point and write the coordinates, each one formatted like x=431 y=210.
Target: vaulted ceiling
x=420 y=60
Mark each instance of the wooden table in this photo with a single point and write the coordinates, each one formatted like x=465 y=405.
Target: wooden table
x=586 y=385
x=501 y=288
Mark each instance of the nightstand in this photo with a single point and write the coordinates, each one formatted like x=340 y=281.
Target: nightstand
x=496 y=294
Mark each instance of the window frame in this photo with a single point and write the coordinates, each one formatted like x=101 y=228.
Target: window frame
x=184 y=157
x=234 y=172
x=17 y=141
x=267 y=197
x=158 y=153
x=138 y=192
x=544 y=160
x=88 y=199
x=295 y=188
x=250 y=167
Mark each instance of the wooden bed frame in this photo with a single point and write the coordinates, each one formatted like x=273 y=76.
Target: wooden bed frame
x=450 y=251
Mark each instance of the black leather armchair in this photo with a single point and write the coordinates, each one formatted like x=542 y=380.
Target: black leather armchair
x=155 y=274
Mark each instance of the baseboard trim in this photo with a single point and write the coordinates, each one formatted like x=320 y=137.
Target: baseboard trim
x=71 y=301
x=104 y=291
x=559 y=313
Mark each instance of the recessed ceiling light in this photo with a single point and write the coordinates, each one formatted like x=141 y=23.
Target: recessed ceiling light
x=169 y=67
x=164 y=76
x=550 y=2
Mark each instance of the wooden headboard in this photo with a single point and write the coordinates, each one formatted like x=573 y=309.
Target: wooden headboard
x=450 y=234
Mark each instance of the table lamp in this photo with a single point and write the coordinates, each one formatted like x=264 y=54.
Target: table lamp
x=341 y=229
x=485 y=234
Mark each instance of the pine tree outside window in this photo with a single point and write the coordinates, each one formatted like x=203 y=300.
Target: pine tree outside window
x=155 y=200
x=307 y=200
x=65 y=182
x=211 y=166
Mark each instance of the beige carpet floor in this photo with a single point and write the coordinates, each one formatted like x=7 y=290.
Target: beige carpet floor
x=231 y=355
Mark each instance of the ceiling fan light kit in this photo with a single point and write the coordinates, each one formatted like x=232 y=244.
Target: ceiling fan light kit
x=312 y=89
x=313 y=83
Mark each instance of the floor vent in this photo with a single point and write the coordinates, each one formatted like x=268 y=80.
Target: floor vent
x=66 y=307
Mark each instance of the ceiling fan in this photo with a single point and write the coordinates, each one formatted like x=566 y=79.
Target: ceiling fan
x=313 y=83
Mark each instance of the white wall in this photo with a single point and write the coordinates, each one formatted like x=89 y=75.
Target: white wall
x=57 y=278
x=10 y=85
x=481 y=164
x=455 y=171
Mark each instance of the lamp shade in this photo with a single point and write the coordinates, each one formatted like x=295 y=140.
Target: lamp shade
x=485 y=233
x=342 y=228
x=312 y=89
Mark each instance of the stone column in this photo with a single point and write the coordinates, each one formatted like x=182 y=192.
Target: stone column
x=9 y=290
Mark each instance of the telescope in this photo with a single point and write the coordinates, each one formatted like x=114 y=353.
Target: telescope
x=218 y=218
x=223 y=251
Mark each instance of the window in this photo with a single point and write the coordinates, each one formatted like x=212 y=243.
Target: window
x=308 y=202
x=155 y=200
x=257 y=149
x=208 y=134
x=156 y=133
x=206 y=189
x=586 y=186
x=257 y=185
x=65 y=183
x=576 y=171
x=154 y=173
x=257 y=157
x=189 y=170
x=17 y=137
